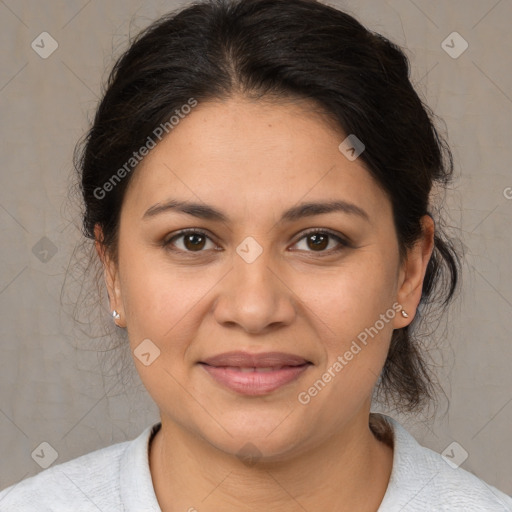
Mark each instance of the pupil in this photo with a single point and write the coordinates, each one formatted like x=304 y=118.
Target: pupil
x=317 y=242
x=190 y=239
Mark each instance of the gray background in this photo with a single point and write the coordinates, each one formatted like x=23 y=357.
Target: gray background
x=53 y=386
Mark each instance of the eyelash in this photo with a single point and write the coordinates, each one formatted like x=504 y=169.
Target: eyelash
x=343 y=244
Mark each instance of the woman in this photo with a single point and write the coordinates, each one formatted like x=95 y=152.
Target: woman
x=257 y=183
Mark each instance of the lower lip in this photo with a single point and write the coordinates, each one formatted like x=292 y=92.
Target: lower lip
x=255 y=383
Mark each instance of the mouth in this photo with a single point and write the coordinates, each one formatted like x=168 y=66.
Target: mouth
x=255 y=374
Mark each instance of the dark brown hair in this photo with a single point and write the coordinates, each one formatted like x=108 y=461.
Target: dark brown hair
x=286 y=49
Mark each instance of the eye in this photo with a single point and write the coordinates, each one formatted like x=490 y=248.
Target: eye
x=319 y=239
x=316 y=240
x=193 y=240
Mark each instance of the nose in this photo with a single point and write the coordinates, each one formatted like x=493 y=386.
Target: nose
x=254 y=297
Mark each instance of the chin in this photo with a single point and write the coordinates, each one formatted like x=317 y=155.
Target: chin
x=258 y=439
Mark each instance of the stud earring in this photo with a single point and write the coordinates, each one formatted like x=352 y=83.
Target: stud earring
x=116 y=315
x=404 y=314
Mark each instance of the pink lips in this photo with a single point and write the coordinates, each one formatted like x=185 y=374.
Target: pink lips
x=255 y=374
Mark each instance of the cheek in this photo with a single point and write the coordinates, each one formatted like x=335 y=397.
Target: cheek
x=353 y=297
x=353 y=312
x=354 y=321
x=162 y=302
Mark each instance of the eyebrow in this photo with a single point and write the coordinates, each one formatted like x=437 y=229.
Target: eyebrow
x=204 y=211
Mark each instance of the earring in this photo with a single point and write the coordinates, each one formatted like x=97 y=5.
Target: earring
x=404 y=314
x=116 y=315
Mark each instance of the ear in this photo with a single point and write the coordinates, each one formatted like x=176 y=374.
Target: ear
x=111 y=276
x=413 y=271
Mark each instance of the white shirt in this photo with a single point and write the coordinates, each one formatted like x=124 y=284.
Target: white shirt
x=117 y=478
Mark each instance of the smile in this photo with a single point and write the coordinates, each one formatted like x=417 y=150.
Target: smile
x=255 y=374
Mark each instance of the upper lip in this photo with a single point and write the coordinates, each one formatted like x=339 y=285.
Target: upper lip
x=247 y=360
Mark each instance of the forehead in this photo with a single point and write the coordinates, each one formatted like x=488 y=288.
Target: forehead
x=260 y=155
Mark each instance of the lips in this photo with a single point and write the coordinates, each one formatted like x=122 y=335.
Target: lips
x=264 y=360
x=255 y=374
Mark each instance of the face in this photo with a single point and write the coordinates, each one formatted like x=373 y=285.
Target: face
x=251 y=278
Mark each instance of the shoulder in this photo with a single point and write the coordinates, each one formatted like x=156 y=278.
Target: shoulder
x=89 y=482
x=70 y=484
x=423 y=480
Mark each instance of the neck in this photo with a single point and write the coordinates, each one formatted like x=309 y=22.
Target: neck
x=349 y=471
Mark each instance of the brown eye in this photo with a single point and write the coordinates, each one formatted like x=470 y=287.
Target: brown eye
x=189 y=241
x=194 y=241
x=322 y=241
x=318 y=241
